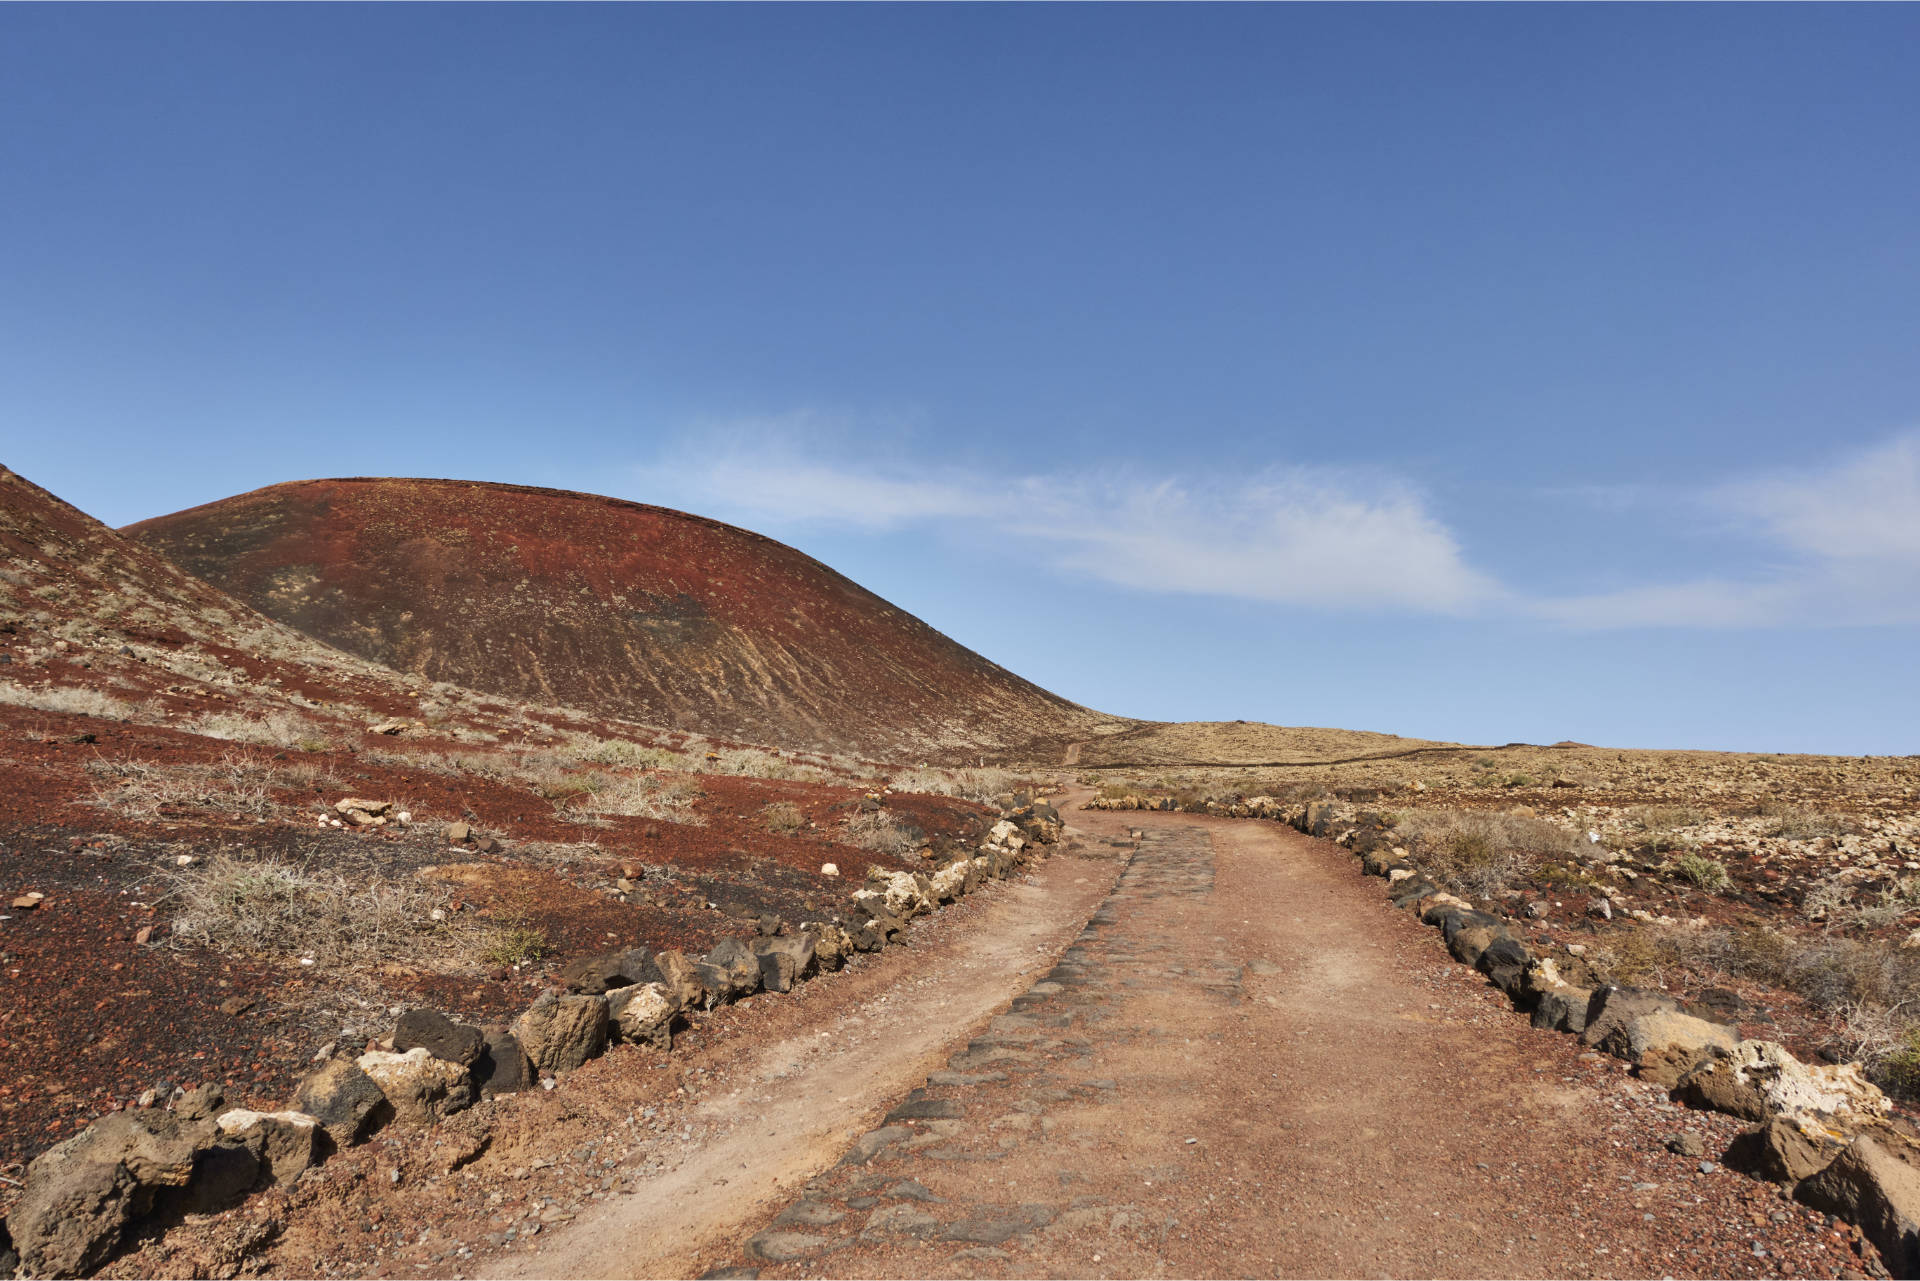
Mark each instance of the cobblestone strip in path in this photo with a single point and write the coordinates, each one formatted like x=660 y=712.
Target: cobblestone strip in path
x=993 y=1155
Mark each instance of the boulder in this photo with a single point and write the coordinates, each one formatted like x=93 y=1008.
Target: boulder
x=872 y=905
x=680 y=977
x=950 y=882
x=345 y=1100
x=730 y=971
x=1613 y=1007
x=1785 y=1149
x=1375 y=862
x=1562 y=1009
x=81 y=1195
x=422 y=1088
x=1469 y=941
x=1504 y=960
x=597 y=974
x=1005 y=835
x=784 y=961
x=439 y=1036
x=1756 y=1080
x=285 y=1143
x=904 y=894
x=201 y=1103
x=1869 y=1186
x=559 y=1033
x=831 y=945
x=502 y=1067
x=643 y=1013
x=1666 y=1044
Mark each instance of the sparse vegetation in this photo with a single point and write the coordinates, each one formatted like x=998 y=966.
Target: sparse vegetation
x=782 y=818
x=141 y=789
x=1810 y=825
x=883 y=832
x=70 y=700
x=272 y=729
x=972 y=784
x=664 y=797
x=235 y=904
x=1479 y=853
x=1707 y=873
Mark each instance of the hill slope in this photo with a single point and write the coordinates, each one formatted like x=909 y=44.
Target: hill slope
x=615 y=607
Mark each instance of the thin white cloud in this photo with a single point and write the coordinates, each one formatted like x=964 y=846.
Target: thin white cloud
x=1834 y=546
x=1321 y=538
x=1844 y=551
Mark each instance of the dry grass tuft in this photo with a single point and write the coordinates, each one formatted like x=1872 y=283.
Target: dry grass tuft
x=783 y=818
x=265 y=906
x=70 y=700
x=665 y=798
x=140 y=789
x=883 y=832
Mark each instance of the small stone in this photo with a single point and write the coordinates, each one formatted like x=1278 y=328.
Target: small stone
x=458 y=833
x=1688 y=1144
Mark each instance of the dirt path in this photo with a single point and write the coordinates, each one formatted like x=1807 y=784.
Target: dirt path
x=1246 y=1065
x=784 y=1108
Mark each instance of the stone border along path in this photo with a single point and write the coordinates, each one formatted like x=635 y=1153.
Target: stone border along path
x=87 y=1196
x=1239 y=1069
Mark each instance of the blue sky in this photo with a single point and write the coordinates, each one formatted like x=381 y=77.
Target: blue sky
x=1486 y=373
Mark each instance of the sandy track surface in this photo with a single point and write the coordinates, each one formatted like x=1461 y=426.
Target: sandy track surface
x=788 y=1104
x=1246 y=1065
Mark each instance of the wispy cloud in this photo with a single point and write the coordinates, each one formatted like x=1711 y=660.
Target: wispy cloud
x=1840 y=546
x=1321 y=537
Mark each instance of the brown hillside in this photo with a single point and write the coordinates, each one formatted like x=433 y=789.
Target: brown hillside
x=616 y=607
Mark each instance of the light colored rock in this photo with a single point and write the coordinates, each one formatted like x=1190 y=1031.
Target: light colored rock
x=1007 y=836
x=421 y=1088
x=284 y=1141
x=559 y=1033
x=1760 y=1079
x=643 y=1013
x=900 y=893
x=950 y=882
x=829 y=869
x=348 y=805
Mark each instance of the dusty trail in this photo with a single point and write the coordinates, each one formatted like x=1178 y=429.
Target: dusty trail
x=783 y=1110
x=1244 y=1066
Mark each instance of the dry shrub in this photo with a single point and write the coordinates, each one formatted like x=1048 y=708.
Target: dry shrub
x=883 y=832
x=1632 y=957
x=274 y=729
x=751 y=762
x=1478 y=853
x=233 y=904
x=71 y=700
x=622 y=753
x=655 y=796
x=971 y=784
x=783 y=818
x=1809 y=824
x=143 y=790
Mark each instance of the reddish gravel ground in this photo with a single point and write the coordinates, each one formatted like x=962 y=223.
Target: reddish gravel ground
x=95 y=1017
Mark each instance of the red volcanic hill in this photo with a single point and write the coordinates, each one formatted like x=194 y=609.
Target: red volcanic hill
x=613 y=607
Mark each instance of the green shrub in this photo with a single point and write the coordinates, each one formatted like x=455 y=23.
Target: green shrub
x=1707 y=873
